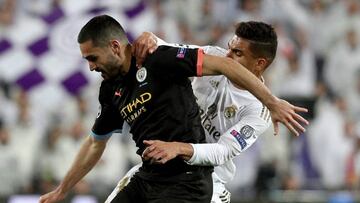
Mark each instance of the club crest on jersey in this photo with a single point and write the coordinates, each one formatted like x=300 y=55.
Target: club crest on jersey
x=181 y=53
x=247 y=131
x=214 y=83
x=230 y=111
x=239 y=138
x=141 y=74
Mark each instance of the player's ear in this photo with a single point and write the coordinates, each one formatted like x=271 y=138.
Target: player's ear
x=115 y=46
x=261 y=63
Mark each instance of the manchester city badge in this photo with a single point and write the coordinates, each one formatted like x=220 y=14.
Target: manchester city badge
x=141 y=74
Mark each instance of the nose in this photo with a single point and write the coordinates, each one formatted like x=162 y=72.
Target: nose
x=229 y=54
x=92 y=66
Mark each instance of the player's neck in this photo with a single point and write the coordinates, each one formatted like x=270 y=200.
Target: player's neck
x=127 y=61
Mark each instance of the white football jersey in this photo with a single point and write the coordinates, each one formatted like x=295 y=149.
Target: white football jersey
x=231 y=117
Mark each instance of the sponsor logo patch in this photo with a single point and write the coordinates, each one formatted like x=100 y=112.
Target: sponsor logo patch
x=181 y=53
x=118 y=93
x=247 y=131
x=239 y=138
x=141 y=74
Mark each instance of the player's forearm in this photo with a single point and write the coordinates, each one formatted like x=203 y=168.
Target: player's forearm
x=204 y=154
x=238 y=74
x=85 y=160
x=213 y=154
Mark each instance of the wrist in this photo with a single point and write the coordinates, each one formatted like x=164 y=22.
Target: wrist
x=184 y=150
x=271 y=102
x=60 y=190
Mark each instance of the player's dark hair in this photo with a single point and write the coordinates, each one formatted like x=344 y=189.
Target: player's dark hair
x=262 y=38
x=100 y=30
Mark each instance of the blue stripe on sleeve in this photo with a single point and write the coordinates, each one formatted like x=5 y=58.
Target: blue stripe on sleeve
x=106 y=136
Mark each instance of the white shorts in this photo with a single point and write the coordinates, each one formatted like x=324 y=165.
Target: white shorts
x=220 y=193
x=123 y=182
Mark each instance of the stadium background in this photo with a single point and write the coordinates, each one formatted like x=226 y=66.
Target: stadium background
x=48 y=97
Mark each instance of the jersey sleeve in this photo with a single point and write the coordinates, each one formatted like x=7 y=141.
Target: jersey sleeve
x=177 y=61
x=108 y=120
x=214 y=50
x=235 y=140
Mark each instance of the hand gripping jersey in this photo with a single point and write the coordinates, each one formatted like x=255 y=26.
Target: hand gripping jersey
x=231 y=117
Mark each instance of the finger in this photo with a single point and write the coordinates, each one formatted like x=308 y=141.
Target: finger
x=276 y=127
x=146 y=152
x=297 y=125
x=300 y=109
x=300 y=118
x=151 y=50
x=158 y=156
x=154 y=157
x=143 y=53
x=141 y=47
x=163 y=160
x=151 y=44
x=151 y=154
x=148 y=142
x=291 y=128
x=133 y=49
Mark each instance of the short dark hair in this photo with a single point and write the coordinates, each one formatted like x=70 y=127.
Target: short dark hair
x=262 y=38
x=101 y=29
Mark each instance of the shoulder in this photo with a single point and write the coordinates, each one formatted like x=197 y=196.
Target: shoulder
x=106 y=91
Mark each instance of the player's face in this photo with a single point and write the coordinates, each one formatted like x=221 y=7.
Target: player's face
x=101 y=59
x=239 y=50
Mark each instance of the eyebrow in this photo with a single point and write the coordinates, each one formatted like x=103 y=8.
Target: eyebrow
x=90 y=57
x=236 y=49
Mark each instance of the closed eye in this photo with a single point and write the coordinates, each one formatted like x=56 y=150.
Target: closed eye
x=91 y=58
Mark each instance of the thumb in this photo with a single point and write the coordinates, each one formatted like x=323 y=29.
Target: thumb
x=148 y=142
x=276 y=127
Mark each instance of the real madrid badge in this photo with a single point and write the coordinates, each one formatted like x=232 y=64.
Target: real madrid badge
x=141 y=74
x=230 y=111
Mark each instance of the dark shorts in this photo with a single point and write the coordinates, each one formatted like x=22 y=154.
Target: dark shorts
x=198 y=190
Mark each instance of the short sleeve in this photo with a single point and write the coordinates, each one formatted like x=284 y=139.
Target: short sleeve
x=177 y=61
x=108 y=120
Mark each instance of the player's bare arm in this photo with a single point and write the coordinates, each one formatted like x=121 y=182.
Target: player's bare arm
x=281 y=111
x=89 y=154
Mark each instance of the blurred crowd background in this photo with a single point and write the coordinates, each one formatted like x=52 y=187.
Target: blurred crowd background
x=48 y=97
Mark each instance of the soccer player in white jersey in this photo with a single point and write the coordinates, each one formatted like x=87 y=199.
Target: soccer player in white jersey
x=232 y=117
